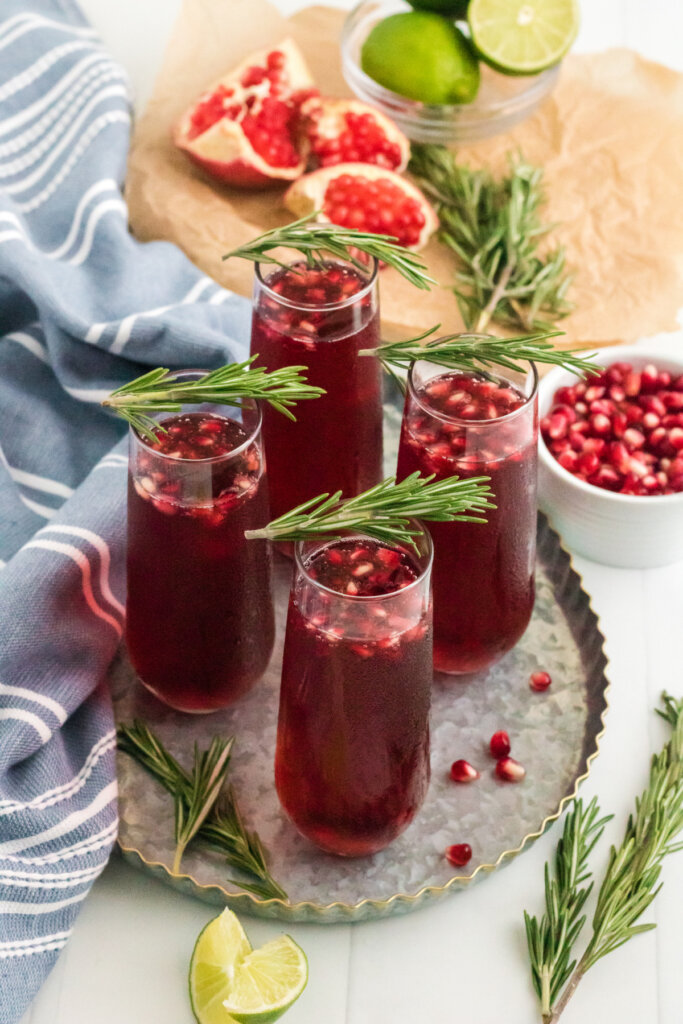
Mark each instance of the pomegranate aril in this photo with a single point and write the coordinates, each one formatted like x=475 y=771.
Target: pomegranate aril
x=510 y=770
x=499 y=744
x=459 y=854
x=539 y=681
x=463 y=771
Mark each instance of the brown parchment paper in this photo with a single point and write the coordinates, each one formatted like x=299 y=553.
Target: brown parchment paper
x=610 y=139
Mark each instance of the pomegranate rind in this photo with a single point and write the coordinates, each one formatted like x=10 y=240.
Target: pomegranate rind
x=308 y=193
x=223 y=150
x=323 y=117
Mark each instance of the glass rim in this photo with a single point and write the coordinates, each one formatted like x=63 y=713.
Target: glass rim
x=449 y=418
x=326 y=307
x=250 y=403
x=424 y=572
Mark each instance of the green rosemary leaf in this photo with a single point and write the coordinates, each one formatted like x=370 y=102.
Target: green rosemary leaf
x=494 y=230
x=315 y=241
x=474 y=353
x=630 y=884
x=206 y=809
x=385 y=511
x=157 y=391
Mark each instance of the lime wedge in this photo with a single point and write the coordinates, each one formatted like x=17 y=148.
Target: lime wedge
x=523 y=37
x=231 y=982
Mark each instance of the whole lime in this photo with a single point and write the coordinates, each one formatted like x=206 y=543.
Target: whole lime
x=423 y=56
x=453 y=8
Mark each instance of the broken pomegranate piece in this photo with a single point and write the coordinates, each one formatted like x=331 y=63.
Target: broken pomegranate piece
x=348 y=131
x=244 y=130
x=368 y=198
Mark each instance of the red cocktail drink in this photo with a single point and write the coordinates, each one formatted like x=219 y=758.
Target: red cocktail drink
x=199 y=612
x=483 y=580
x=321 y=318
x=352 y=758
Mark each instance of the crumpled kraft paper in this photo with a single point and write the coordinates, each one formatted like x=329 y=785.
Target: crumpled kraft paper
x=610 y=139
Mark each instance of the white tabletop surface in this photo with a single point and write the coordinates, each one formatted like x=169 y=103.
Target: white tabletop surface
x=463 y=959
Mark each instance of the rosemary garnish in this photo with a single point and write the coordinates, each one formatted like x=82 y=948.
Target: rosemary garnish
x=630 y=884
x=472 y=353
x=205 y=810
x=313 y=240
x=229 y=385
x=494 y=229
x=385 y=511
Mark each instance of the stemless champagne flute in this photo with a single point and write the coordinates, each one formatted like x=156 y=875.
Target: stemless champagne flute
x=467 y=424
x=321 y=316
x=200 y=623
x=352 y=757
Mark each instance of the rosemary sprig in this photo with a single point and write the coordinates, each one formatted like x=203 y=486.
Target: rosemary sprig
x=313 y=240
x=205 y=809
x=229 y=385
x=385 y=511
x=551 y=940
x=494 y=229
x=631 y=881
x=472 y=353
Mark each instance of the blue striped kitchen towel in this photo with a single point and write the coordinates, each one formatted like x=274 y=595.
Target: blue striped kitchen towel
x=83 y=307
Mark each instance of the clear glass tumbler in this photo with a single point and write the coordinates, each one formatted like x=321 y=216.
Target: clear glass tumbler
x=200 y=624
x=466 y=425
x=352 y=757
x=321 y=317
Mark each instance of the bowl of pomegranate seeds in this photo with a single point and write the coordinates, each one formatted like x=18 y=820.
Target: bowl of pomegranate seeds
x=611 y=458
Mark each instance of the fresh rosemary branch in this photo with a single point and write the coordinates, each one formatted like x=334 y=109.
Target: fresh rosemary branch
x=203 y=811
x=494 y=229
x=631 y=881
x=471 y=353
x=313 y=240
x=156 y=391
x=385 y=511
x=551 y=940
x=206 y=781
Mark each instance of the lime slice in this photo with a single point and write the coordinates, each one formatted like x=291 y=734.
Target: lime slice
x=231 y=982
x=423 y=56
x=523 y=37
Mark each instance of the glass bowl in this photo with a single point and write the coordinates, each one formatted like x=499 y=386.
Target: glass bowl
x=502 y=100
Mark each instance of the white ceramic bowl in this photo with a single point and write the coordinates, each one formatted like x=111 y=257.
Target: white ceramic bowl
x=616 y=529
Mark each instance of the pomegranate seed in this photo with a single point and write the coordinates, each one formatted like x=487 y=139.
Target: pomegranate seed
x=499 y=744
x=459 y=854
x=463 y=771
x=676 y=438
x=510 y=770
x=600 y=423
x=633 y=438
x=648 y=377
x=539 y=681
x=632 y=383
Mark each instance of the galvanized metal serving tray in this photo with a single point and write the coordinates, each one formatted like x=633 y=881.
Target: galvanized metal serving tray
x=554 y=734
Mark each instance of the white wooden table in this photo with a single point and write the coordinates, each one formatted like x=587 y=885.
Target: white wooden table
x=463 y=959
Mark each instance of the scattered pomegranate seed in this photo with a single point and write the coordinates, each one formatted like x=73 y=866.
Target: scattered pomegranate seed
x=499 y=744
x=539 y=681
x=459 y=854
x=463 y=771
x=510 y=770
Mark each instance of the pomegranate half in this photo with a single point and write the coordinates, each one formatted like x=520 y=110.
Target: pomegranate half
x=347 y=131
x=244 y=130
x=366 y=197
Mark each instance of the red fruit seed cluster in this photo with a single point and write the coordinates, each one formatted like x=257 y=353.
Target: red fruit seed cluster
x=374 y=204
x=362 y=140
x=268 y=121
x=621 y=430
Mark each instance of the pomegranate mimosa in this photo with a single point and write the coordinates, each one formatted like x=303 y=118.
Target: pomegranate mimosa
x=199 y=612
x=352 y=758
x=466 y=424
x=321 y=317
